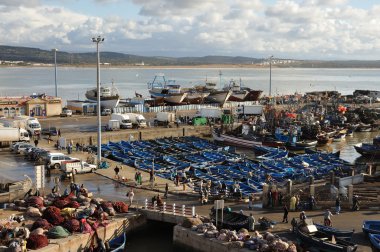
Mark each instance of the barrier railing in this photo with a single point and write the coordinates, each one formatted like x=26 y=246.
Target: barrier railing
x=173 y=209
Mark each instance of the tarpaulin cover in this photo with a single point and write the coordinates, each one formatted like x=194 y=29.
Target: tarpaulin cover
x=58 y=232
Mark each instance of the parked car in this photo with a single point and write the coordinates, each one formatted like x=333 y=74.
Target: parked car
x=22 y=147
x=14 y=145
x=52 y=131
x=55 y=160
x=106 y=112
x=77 y=167
x=66 y=113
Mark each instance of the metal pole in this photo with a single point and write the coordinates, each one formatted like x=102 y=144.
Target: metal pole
x=97 y=41
x=270 y=76
x=55 y=71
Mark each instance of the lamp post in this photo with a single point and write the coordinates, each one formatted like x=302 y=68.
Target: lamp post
x=270 y=76
x=55 y=71
x=98 y=40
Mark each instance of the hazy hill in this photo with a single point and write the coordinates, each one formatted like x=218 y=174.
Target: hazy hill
x=34 y=55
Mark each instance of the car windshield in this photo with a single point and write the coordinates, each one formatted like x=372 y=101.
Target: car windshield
x=34 y=125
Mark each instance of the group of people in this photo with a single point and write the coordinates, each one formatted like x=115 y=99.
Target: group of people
x=275 y=198
x=138 y=178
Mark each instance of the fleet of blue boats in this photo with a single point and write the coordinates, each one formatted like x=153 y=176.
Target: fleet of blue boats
x=204 y=160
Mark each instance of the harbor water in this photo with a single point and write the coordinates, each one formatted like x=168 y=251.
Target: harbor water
x=74 y=82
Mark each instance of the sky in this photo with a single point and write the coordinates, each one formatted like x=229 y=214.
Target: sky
x=297 y=29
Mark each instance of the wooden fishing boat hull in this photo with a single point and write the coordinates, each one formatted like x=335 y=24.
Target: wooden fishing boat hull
x=253 y=95
x=218 y=96
x=375 y=241
x=320 y=240
x=231 y=220
x=306 y=144
x=371 y=227
x=16 y=190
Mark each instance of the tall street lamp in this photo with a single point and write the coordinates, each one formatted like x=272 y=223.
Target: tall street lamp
x=55 y=71
x=98 y=40
x=270 y=76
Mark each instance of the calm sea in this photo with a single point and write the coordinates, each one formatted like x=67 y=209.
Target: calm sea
x=73 y=82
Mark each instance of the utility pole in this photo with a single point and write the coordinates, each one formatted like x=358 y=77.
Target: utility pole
x=98 y=40
x=55 y=71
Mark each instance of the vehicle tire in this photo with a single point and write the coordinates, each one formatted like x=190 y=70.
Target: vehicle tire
x=57 y=166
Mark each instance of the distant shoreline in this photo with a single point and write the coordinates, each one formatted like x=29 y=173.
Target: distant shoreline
x=207 y=66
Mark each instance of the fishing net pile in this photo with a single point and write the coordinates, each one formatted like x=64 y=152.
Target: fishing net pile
x=58 y=217
x=37 y=241
x=267 y=242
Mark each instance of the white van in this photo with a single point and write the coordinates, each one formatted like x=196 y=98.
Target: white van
x=124 y=120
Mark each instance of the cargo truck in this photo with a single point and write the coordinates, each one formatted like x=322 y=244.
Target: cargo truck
x=124 y=120
x=13 y=135
x=113 y=125
x=164 y=118
x=31 y=124
x=137 y=120
x=250 y=110
x=210 y=113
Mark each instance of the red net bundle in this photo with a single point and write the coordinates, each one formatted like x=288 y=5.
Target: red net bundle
x=107 y=204
x=61 y=203
x=41 y=223
x=53 y=215
x=36 y=241
x=34 y=201
x=72 y=225
x=120 y=207
x=73 y=204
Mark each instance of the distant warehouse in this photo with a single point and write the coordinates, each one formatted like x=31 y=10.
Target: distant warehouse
x=33 y=105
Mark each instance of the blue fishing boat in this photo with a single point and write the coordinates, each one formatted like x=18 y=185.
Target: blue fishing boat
x=117 y=244
x=344 y=234
x=371 y=227
x=375 y=241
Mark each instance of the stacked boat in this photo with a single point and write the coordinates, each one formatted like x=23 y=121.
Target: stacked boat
x=206 y=161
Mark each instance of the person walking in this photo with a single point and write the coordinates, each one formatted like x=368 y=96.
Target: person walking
x=250 y=201
x=303 y=216
x=327 y=218
x=117 y=170
x=130 y=196
x=166 y=191
x=337 y=205
x=285 y=218
x=59 y=132
x=251 y=222
x=355 y=203
x=293 y=201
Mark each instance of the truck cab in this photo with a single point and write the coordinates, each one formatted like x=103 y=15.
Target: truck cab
x=33 y=126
